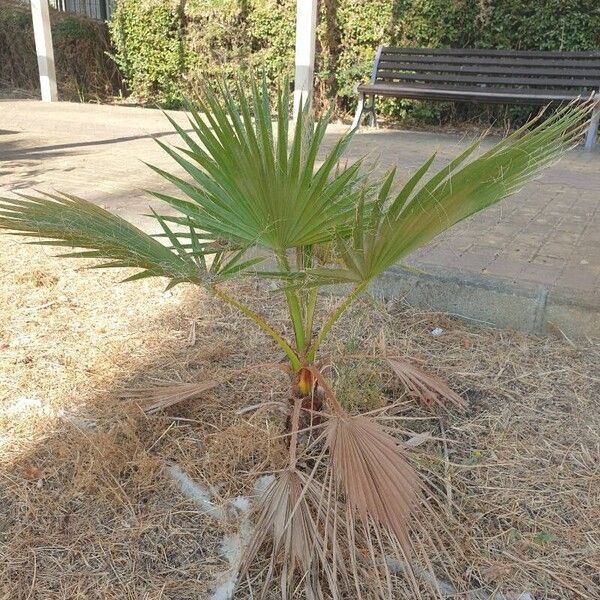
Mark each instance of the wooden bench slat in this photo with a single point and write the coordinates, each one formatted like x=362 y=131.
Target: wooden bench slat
x=589 y=62
x=491 y=52
x=557 y=71
x=487 y=79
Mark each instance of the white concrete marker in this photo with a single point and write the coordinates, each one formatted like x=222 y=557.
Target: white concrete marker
x=306 y=26
x=44 y=49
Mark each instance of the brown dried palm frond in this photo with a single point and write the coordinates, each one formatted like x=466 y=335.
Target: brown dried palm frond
x=342 y=529
x=318 y=549
x=373 y=476
x=295 y=514
x=424 y=386
x=355 y=526
x=165 y=394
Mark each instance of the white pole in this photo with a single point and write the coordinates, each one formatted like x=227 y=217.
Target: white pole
x=44 y=49
x=306 y=26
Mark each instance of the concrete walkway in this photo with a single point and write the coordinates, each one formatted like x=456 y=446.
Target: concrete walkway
x=531 y=262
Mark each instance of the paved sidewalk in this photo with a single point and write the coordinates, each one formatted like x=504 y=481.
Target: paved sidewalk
x=543 y=242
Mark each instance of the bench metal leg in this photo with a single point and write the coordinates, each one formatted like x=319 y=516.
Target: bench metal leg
x=359 y=111
x=592 y=133
x=363 y=106
x=371 y=108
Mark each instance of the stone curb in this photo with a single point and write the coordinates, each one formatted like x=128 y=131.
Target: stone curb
x=530 y=308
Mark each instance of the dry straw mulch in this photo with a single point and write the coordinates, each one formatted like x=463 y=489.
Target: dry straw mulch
x=87 y=511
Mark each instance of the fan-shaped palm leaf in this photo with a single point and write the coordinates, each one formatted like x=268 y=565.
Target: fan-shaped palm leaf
x=249 y=185
x=70 y=222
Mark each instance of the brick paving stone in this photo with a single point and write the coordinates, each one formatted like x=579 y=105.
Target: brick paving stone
x=548 y=233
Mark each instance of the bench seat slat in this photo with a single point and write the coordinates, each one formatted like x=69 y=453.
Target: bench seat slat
x=491 y=52
x=500 y=69
x=473 y=93
x=592 y=62
x=490 y=79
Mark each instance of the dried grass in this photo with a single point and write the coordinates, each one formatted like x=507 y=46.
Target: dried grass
x=86 y=510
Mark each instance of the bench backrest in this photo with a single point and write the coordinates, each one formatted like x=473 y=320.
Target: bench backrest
x=576 y=72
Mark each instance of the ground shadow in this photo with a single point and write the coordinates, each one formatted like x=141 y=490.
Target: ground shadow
x=58 y=149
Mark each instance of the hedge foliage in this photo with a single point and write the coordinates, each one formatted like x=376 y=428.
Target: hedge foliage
x=150 y=50
x=83 y=69
x=166 y=47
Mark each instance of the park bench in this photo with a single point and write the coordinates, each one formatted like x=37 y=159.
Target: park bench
x=478 y=75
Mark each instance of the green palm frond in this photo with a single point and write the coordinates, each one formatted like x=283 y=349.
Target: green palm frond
x=250 y=182
x=248 y=185
x=396 y=226
x=70 y=222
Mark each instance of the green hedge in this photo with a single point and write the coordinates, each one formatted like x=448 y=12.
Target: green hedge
x=166 y=48
x=542 y=25
x=150 y=50
x=83 y=69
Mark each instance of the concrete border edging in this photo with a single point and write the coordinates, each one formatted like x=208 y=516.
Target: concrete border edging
x=531 y=308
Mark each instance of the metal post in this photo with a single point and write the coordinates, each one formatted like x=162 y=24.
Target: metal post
x=362 y=100
x=592 y=132
x=372 y=112
x=306 y=26
x=44 y=50
x=103 y=10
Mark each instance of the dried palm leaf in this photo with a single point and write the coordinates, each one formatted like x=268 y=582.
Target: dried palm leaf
x=424 y=386
x=294 y=515
x=163 y=395
x=375 y=479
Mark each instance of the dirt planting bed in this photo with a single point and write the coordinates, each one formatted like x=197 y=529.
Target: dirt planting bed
x=88 y=509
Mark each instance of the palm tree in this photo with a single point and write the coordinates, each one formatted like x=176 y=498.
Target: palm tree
x=256 y=191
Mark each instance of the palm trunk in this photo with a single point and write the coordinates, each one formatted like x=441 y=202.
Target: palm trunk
x=305 y=389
